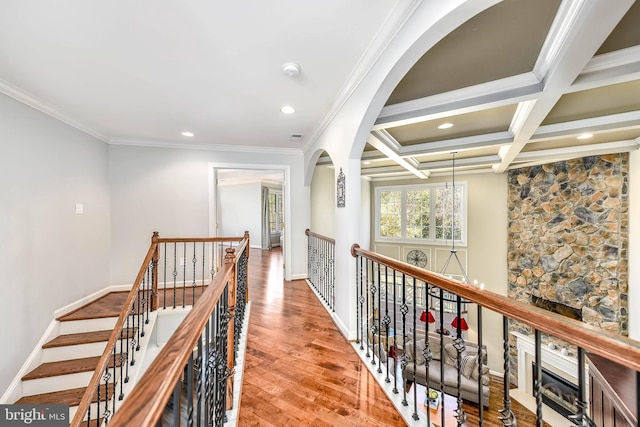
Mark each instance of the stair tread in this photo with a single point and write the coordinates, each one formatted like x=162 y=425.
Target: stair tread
x=108 y=305
x=65 y=367
x=83 y=338
x=71 y=397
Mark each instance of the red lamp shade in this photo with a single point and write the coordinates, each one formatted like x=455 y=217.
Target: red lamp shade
x=427 y=316
x=463 y=323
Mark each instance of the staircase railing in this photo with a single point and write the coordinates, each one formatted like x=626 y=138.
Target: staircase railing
x=393 y=301
x=321 y=266
x=190 y=269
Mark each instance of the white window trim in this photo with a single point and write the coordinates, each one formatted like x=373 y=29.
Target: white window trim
x=403 y=226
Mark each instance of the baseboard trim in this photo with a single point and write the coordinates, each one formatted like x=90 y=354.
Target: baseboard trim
x=14 y=391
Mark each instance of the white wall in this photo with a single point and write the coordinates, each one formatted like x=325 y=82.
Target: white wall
x=366 y=212
x=49 y=256
x=168 y=190
x=323 y=201
x=240 y=211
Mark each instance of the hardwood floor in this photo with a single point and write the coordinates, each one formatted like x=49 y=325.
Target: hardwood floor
x=300 y=371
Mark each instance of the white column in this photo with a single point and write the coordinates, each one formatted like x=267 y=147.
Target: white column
x=348 y=232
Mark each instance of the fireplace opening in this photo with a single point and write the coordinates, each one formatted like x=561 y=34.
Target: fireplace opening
x=557 y=393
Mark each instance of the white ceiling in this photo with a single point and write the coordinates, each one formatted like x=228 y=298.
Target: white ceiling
x=520 y=80
x=143 y=71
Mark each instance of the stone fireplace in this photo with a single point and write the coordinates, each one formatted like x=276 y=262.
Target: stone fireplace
x=568 y=238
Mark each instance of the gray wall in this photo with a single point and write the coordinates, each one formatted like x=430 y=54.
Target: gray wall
x=241 y=210
x=49 y=256
x=168 y=190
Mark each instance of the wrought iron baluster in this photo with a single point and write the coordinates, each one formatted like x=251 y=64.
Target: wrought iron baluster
x=375 y=330
x=537 y=385
x=458 y=342
x=428 y=355
x=123 y=362
x=164 y=281
x=415 y=351
x=367 y=305
x=581 y=400
x=176 y=403
x=359 y=312
x=138 y=317
x=107 y=413
x=404 y=309
x=194 y=261
x=190 y=409
x=395 y=327
x=381 y=348
x=441 y=299
x=507 y=416
x=197 y=370
x=184 y=275
x=175 y=271
x=480 y=365
x=386 y=319
x=333 y=277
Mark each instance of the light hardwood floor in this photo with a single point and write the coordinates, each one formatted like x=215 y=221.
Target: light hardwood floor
x=300 y=371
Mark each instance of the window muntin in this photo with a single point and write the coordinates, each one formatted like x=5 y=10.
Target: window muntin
x=276 y=213
x=422 y=213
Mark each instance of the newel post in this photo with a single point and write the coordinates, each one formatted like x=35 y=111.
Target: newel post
x=230 y=258
x=154 y=271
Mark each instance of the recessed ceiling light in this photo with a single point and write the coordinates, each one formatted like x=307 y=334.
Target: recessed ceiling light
x=288 y=109
x=585 y=136
x=187 y=133
x=445 y=126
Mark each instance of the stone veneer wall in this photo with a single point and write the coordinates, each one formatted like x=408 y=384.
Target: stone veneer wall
x=568 y=237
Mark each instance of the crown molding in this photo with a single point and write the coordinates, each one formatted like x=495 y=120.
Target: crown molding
x=33 y=102
x=152 y=143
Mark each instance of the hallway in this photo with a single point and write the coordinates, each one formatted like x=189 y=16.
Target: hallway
x=299 y=370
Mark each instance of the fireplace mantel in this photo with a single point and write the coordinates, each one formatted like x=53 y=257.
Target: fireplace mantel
x=564 y=365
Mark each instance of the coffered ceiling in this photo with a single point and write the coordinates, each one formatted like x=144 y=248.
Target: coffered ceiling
x=520 y=83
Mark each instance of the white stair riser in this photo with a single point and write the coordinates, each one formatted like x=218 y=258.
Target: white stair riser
x=94 y=410
x=59 y=382
x=88 y=325
x=56 y=354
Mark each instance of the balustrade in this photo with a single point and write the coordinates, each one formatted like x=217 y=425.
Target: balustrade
x=393 y=293
x=196 y=364
x=321 y=266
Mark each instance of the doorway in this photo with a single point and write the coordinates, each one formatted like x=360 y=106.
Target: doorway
x=237 y=203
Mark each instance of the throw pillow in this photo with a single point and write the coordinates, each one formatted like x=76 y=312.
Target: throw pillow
x=451 y=354
x=420 y=360
x=434 y=346
x=469 y=364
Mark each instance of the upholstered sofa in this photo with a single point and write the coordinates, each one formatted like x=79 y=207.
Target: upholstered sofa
x=447 y=357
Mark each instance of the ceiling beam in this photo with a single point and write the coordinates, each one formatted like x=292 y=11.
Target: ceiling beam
x=387 y=145
x=533 y=158
x=498 y=93
x=457 y=144
x=579 y=29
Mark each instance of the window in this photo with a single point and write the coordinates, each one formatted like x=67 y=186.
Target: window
x=422 y=213
x=276 y=214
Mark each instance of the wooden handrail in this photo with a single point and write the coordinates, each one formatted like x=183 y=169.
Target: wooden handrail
x=319 y=236
x=107 y=355
x=617 y=348
x=115 y=336
x=146 y=402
